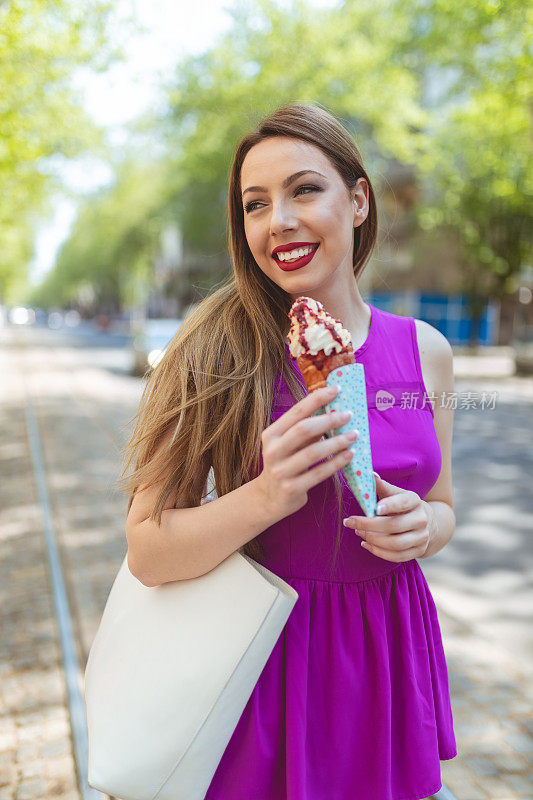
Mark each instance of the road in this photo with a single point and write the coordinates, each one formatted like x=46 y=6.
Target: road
x=85 y=400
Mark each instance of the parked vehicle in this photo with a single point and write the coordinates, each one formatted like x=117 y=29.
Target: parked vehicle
x=150 y=343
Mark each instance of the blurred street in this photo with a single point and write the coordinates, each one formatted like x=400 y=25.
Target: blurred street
x=84 y=398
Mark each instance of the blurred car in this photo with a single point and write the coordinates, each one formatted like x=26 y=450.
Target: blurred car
x=72 y=318
x=56 y=320
x=150 y=343
x=102 y=322
x=41 y=317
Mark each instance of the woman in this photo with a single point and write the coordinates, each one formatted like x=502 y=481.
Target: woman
x=353 y=703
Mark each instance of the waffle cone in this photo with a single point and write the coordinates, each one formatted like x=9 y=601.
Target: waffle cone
x=316 y=368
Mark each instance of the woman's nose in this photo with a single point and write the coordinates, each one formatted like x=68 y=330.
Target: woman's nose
x=282 y=219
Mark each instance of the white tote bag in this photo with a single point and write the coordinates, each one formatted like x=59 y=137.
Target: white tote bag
x=170 y=671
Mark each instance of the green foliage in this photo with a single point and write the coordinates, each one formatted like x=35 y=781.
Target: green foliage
x=41 y=115
x=477 y=168
x=443 y=86
x=112 y=244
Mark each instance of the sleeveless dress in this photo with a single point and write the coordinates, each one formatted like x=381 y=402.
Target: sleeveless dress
x=353 y=702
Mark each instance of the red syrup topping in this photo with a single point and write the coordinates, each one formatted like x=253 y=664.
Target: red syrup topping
x=298 y=313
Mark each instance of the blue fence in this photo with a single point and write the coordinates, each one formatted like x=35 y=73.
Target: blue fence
x=448 y=313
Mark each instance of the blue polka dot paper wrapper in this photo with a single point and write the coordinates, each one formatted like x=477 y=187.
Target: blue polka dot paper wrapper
x=352 y=397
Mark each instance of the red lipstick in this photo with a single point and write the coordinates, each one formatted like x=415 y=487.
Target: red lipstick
x=283 y=248
x=289 y=266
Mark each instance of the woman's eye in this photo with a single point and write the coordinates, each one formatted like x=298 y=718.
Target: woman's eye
x=307 y=186
x=251 y=206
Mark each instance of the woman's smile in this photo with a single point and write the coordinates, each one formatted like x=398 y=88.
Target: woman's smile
x=294 y=259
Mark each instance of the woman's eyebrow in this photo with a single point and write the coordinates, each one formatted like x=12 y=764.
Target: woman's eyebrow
x=286 y=182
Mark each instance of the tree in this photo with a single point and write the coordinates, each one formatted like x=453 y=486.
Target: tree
x=477 y=168
x=109 y=253
x=41 y=116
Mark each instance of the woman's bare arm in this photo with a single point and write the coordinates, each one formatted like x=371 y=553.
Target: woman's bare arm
x=436 y=359
x=193 y=541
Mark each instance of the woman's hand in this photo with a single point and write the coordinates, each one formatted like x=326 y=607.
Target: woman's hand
x=402 y=528
x=292 y=446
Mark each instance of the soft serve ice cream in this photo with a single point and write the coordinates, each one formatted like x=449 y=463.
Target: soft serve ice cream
x=318 y=341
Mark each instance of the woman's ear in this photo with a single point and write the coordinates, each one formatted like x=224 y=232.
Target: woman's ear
x=356 y=213
x=360 y=202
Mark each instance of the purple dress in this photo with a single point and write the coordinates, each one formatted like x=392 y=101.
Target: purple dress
x=353 y=703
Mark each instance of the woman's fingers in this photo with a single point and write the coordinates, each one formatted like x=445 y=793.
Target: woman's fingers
x=307 y=430
x=381 y=525
x=324 y=470
x=297 y=453
x=317 y=451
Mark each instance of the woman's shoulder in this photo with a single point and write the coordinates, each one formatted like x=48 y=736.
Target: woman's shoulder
x=436 y=355
x=431 y=341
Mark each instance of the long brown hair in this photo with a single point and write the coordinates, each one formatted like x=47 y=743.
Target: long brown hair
x=212 y=392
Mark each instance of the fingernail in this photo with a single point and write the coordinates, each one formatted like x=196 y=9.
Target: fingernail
x=346 y=521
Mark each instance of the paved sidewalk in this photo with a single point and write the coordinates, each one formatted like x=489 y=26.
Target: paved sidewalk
x=491 y=706
x=81 y=409
x=36 y=759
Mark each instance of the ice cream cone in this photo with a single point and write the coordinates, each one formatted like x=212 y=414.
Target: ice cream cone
x=324 y=352
x=352 y=397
